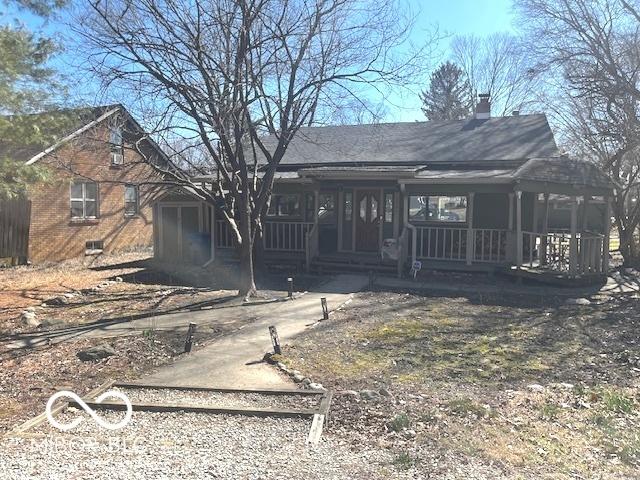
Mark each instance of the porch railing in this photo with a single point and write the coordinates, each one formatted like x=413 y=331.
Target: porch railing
x=441 y=243
x=552 y=251
x=286 y=236
x=277 y=236
x=490 y=245
x=450 y=243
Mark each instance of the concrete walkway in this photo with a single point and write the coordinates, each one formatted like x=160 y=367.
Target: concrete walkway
x=235 y=360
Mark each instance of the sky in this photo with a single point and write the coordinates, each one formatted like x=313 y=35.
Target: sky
x=450 y=17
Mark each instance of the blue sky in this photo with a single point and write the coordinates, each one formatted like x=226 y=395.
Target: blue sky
x=478 y=17
x=452 y=17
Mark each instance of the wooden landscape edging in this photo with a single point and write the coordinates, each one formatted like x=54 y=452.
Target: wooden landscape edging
x=34 y=422
x=320 y=415
x=265 y=391
x=177 y=407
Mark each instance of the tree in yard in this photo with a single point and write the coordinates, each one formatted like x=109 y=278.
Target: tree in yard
x=26 y=86
x=499 y=66
x=227 y=72
x=447 y=97
x=592 y=52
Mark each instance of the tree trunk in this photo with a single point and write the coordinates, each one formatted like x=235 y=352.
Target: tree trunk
x=629 y=248
x=247 y=287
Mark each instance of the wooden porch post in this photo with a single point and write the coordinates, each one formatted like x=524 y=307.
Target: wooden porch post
x=607 y=235
x=544 y=245
x=212 y=235
x=340 y=207
x=519 y=252
x=470 y=236
x=573 y=246
x=511 y=212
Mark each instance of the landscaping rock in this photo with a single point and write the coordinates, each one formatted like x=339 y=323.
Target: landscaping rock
x=297 y=378
x=349 y=393
x=61 y=300
x=118 y=279
x=29 y=318
x=369 y=395
x=306 y=381
x=96 y=353
x=315 y=386
x=534 y=387
x=578 y=301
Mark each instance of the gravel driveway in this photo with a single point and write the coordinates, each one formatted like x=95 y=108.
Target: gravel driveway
x=188 y=445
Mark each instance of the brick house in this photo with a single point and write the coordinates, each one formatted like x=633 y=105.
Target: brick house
x=100 y=189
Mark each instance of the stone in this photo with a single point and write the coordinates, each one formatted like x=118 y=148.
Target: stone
x=61 y=300
x=384 y=392
x=118 y=279
x=295 y=372
x=315 y=386
x=306 y=381
x=281 y=366
x=29 y=318
x=369 y=395
x=349 y=393
x=96 y=353
x=534 y=387
x=69 y=295
x=297 y=378
x=578 y=301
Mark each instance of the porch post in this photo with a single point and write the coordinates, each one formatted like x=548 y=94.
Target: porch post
x=536 y=215
x=607 y=235
x=212 y=234
x=544 y=246
x=573 y=246
x=340 y=207
x=519 y=252
x=511 y=212
x=470 y=236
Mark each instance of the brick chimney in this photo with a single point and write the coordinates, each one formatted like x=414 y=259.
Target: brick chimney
x=483 y=109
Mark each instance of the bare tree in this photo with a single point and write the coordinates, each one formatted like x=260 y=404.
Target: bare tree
x=229 y=71
x=592 y=51
x=498 y=65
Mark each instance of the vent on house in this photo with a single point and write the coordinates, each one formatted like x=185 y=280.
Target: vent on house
x=117 y=158
x=93 y=247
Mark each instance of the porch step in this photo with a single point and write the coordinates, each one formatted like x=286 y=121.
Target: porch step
x=326 y=266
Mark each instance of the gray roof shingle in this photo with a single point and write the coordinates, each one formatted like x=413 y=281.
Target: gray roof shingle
x=498 y=139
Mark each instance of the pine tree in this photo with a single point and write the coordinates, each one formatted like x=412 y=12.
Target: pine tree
x=448 y=95
x=26 y=86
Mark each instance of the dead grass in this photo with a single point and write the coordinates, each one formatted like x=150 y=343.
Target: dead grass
x=459 y=371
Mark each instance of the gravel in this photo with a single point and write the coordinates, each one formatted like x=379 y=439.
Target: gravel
x=221 y=399
x=189 y=445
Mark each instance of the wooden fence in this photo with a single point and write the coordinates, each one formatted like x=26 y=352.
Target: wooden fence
x=15 y=218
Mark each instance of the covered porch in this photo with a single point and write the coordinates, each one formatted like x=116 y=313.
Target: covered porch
x=550 y=217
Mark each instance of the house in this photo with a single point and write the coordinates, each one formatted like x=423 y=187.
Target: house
x=98 y=194
x=469 y=194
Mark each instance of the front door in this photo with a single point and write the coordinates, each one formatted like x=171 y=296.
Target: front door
x=367 y=220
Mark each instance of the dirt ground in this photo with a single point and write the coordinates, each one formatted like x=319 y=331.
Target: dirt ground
x=484 y=387
x=108 y=287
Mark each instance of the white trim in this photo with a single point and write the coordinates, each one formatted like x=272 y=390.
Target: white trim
x=71 y=136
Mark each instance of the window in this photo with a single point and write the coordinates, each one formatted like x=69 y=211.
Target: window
x=116 y=141
x=437 y=208
x=388 y=207
x=84 y=200
x=131 y=202
x=348 y=206
x=326 y=209
x=284 y=206
x=94 y=245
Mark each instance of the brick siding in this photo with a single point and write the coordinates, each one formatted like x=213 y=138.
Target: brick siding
x=54 y=236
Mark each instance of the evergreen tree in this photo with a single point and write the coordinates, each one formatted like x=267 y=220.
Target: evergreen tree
x=26 y=86
x=448 y=95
